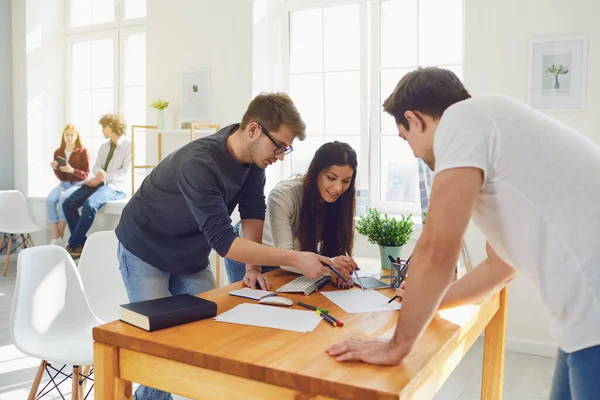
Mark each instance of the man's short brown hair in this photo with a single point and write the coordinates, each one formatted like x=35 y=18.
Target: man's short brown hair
x=428 y=90
x=115 y=123
x=273 y=110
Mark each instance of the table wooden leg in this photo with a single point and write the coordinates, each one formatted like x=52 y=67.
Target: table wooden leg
x=107 y=384
x=493 y=353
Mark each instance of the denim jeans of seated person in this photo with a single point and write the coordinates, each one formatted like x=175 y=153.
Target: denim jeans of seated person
x=237 y=270
x=145 y=282
x=576 y=375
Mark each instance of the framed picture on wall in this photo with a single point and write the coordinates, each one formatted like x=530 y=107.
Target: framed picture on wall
x=557 y=77
x=195 y=95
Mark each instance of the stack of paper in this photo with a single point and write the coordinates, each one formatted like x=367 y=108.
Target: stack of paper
x=356 y=301
x=271 y=317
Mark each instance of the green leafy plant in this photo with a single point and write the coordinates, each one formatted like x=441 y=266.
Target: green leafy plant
x=424 y=217
x=160 y=104
x=195 y=88
x=558 y=69
x=385 y=231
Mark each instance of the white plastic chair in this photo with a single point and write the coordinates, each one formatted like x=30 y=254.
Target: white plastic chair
x=99 y=270
x=50 y=317
x=15 y=222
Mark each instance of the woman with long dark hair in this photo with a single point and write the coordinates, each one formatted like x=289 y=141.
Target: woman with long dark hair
x=313 y=213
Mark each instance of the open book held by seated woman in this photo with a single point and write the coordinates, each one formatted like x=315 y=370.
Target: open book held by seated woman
x=313 y=213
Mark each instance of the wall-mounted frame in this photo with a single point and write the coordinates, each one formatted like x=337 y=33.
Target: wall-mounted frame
x=557 y=73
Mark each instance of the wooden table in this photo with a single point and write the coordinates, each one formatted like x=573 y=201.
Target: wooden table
x=215 y=360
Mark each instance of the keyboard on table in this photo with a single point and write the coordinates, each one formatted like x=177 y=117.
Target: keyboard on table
x=304 y=285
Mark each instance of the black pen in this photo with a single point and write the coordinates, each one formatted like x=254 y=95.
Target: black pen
x=335 y=271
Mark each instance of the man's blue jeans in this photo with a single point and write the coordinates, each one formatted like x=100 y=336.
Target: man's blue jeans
x=145 y=282
x=577 y=375
x=237 y=270
x=90 y=199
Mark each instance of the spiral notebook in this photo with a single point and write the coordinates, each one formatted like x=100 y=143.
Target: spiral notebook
x=252 y=293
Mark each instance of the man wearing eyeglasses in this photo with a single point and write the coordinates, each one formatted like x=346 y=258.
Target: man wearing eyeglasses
x=182 y=209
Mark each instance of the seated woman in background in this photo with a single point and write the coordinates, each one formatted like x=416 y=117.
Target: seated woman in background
x=313 y=213
x=73 y=169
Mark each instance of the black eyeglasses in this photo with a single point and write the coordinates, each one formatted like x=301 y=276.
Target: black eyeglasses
x=279 y=148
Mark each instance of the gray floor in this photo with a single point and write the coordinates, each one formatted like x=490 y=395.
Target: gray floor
x=527 y=377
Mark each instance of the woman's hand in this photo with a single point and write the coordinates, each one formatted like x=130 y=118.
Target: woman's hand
x=67 y=169
x=340 y=284
x=344 y=263
x=54 y=164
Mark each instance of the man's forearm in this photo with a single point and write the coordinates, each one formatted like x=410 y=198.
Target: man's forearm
x=429 y=274
x=249 y=252
x=477 y=284
x=253 y=230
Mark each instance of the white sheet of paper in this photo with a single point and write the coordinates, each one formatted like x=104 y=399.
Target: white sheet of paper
x=356 y=301
x=365 y=274
x=271 y=317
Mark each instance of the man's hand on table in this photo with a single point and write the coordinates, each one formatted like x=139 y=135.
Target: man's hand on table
x=255 y=280
x=377 y=352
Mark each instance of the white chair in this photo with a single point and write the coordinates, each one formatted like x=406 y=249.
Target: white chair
x=99 y=270
x=50 y=317
x=15 y=222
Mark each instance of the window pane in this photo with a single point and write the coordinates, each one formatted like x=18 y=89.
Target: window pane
x=341 y=37
x=135 y=9
x=135 y=59
x=103 y=63
x=81 y=13
x=440 y=32
x=342 y=103
x=81 y=108
x=135 y=106
x=307 y=93
x=103 y=11
x=389 y=80
x=399 y=33
x=102 y=103
x=80 y=65
x=306 y=41
x=304 y=153
x=398 y=171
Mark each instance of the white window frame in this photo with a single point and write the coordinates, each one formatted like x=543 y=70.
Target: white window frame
x=370 y=162
x=284 y=84
x=117 y=30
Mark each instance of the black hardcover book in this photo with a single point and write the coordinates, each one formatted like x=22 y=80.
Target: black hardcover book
x=166 y=312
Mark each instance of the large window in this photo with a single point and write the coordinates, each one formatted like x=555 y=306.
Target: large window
x=106 y=65
x=345 y=58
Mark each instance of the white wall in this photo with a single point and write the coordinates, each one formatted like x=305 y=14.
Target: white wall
x=6 y=100
x=38 y=90
x=183 y=35
x=497 y=36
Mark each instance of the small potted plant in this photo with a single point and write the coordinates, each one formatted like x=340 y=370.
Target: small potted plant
x=389 y=233
x=160 y=105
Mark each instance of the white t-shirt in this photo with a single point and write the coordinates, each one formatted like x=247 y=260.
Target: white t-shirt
x=539 y=206
x=68 y=154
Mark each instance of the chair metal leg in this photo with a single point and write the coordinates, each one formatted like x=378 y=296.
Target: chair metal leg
x=37 y=380
x=75 y=383
x=10 y=238
x=30 y=240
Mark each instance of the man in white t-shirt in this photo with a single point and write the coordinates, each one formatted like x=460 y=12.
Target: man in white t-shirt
x=530 y=184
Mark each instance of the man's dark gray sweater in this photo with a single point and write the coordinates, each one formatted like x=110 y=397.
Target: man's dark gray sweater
x=183 y=207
